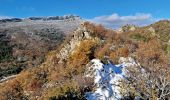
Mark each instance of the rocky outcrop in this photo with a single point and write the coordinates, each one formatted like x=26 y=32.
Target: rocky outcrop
x=80 y=34
x=73 y=17
x=152 y=30
x=128 y=27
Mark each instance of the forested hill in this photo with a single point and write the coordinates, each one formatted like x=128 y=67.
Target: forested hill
x=95 y=63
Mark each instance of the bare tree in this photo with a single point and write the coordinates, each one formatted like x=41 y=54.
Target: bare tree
x=152 y=83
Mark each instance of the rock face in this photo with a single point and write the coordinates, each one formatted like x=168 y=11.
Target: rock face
x=128 y=28
x=73 y=17
x=78 y=35
x=152 y=30
x=25 y=42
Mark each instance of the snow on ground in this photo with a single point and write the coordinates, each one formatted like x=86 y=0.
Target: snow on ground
x=107 y=78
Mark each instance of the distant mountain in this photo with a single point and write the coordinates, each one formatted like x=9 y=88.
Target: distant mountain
x=65 y=23
x=25 y=42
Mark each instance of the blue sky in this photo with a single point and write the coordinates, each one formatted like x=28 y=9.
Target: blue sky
x=101 y=11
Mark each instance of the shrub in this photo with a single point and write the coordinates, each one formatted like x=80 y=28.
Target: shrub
x=102 y=51
x=32 y=79
x=10 y=71
x=5 y=51
x=168 y=49
x=95 y=30
x=68 y=91
x=83 y=54
x=139 y=37
x=114 y=57
x=120 y=52
x=124 y=52
x=149 y=52
x=12 y=91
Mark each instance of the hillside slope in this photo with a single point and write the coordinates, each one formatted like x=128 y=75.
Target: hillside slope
x=25 y=42
x=128 y=65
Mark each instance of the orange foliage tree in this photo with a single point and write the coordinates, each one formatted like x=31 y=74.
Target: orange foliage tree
x=12 y=91
x=83 y=54
x=96 y=30
x=120 y=52
x=149 y=52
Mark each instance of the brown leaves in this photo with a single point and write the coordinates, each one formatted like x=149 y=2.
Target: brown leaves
x=13 y=90
x=83 y=54
x=149 y=51
x=120 y=52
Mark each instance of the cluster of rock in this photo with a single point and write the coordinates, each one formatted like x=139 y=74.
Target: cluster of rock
x=80 y=34
x=55 y=18
x=128 y=27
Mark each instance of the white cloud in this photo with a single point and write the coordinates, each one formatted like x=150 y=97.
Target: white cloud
x=115 y=20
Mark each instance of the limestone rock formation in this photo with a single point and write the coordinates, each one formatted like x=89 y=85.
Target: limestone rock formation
x=80 y=34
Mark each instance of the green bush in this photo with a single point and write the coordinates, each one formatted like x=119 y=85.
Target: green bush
x=68 y=91
x=10 y=71
x=139 y=37
x=168 y=49
x=5 y=51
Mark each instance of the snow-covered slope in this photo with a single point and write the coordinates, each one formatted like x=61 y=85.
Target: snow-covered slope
x=107 y=78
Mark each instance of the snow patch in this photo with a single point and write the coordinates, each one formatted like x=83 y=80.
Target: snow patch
x=107 y=78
